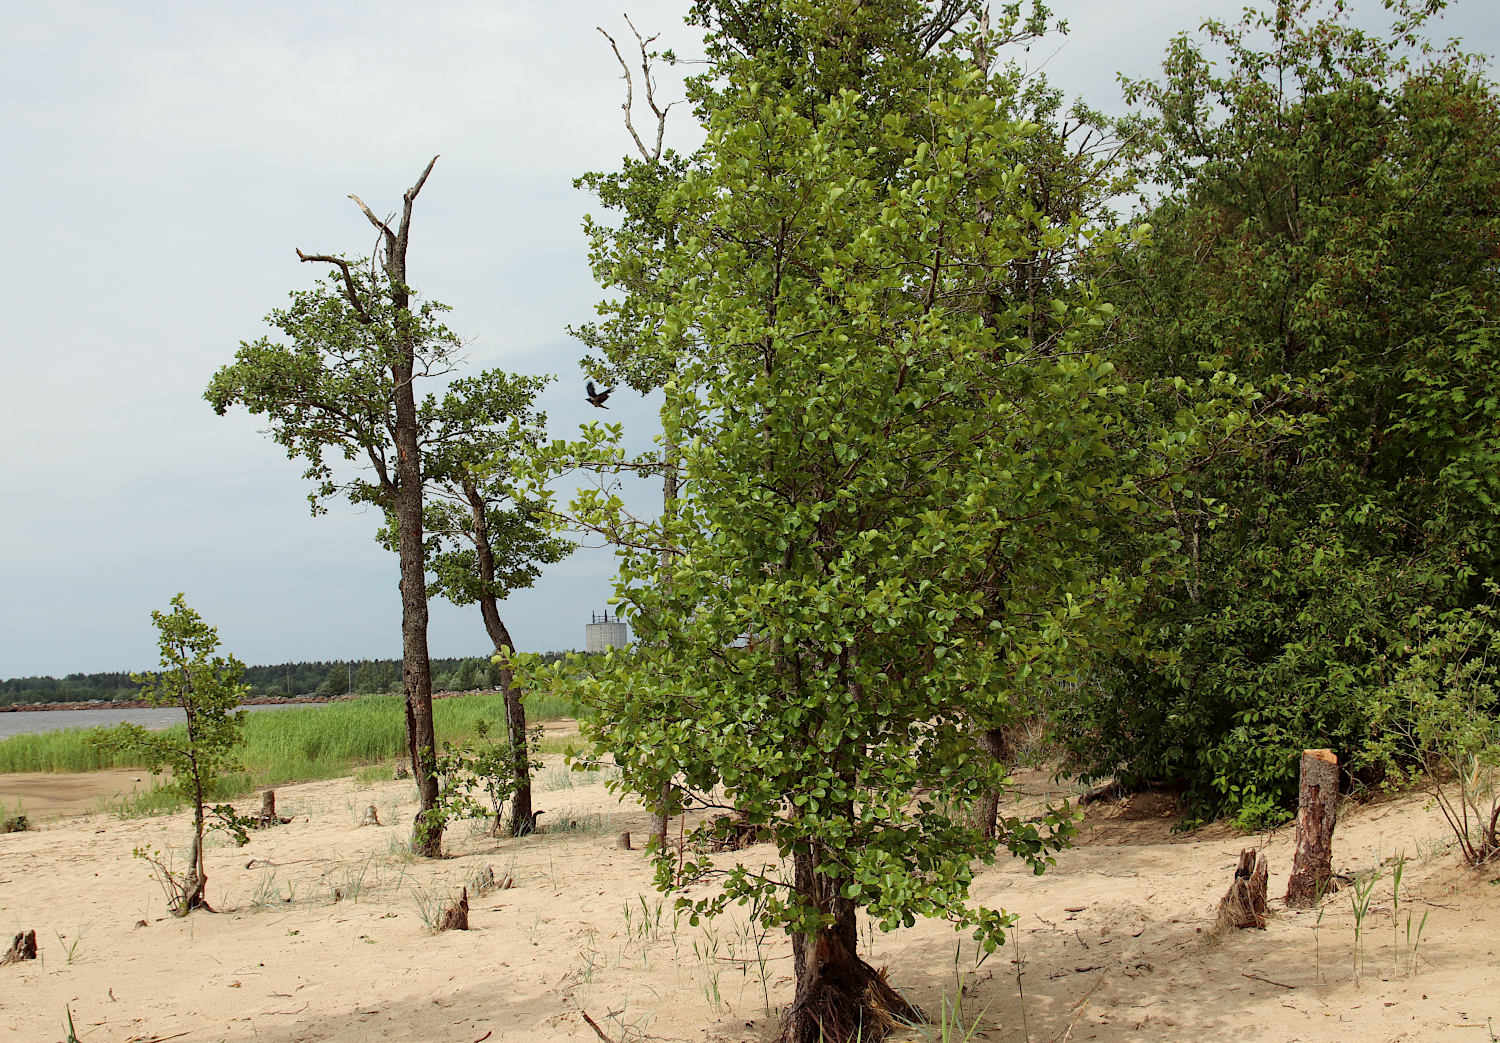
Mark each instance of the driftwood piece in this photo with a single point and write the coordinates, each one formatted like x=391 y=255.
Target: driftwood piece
x=369 y=818
x=1317 y=813
x=22 y=948
x=1244 y=904
x=456 y=916
x=15 y=824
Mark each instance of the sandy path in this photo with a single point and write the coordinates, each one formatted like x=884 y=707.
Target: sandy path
x=320 y=937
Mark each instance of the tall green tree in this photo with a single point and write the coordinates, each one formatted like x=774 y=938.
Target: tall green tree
x=485 y=540
x=886 y=483
x=207 y=688
x=343 y=386
x=1326 y=224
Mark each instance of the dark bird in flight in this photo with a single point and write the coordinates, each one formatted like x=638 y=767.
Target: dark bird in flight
x=596 y=398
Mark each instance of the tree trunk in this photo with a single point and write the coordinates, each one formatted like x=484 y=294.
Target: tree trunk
x=839 y=997
x=416 y=665
x=1317 y=812
x=661 y=815
x=196 y=878
x=996 y=743
x=522 y=821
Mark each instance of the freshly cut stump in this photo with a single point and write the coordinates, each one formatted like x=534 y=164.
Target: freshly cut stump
x=1317 y=813
x=1244 y=904
x=456 y=916
x=22 y=948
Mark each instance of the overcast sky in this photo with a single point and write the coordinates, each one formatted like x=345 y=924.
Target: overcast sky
x=165 y=160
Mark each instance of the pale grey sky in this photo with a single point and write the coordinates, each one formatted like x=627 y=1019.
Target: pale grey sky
x=165 y=159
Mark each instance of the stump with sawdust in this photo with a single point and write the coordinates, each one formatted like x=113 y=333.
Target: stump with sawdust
x=1244 y=904
x=1317 y=813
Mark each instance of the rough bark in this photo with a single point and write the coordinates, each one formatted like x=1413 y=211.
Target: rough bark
x=1244 y=904
x=1317 y=813
x=416 y=667
x=996 y=743
x=839 y=997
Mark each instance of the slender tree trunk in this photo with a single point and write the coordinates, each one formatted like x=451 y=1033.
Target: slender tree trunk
x=522 y=820
x=661 y=815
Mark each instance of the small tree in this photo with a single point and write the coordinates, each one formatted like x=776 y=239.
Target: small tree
x=207 y=688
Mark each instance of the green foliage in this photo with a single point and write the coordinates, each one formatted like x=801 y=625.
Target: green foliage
x=481 y=767
x=1327 y=232
x=206 y=687
x=901 y=498
x=1439 y=722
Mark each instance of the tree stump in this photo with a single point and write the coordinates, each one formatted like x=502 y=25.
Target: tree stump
x=623 y=841
x=1317 y=812
x=268 y=816
x=22 y=948
x=369 y=818
x=456 y=916
x=1244 y=904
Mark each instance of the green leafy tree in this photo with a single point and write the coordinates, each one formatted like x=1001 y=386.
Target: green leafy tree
x=206 y=687
x=1326 y=227
x=892 y=496
x=342 y=387
x=484 y=540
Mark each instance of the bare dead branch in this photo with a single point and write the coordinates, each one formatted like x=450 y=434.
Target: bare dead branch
x=349 y=291
x=385 y=229
x=643 y=43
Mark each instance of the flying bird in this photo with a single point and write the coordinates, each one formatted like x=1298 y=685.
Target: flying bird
x=596 y=398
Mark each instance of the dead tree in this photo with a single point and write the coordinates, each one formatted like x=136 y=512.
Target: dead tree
x=1317 y=813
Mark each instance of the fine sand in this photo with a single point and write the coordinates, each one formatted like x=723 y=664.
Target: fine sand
x=320 y=934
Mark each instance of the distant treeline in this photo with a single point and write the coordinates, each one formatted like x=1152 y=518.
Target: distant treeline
x=323 y=677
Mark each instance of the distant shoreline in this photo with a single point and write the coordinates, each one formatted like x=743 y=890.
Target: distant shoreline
x=255 y=700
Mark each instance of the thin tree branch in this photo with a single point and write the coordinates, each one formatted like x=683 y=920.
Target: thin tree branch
x=349 y=291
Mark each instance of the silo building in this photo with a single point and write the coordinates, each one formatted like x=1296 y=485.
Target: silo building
x=605 y=632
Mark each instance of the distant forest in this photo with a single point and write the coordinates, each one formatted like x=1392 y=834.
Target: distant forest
x=323 y=677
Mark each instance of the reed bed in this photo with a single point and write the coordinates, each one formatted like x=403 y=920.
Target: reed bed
x=298 y=743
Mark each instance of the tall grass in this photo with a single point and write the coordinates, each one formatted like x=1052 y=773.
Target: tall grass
x=300 y=743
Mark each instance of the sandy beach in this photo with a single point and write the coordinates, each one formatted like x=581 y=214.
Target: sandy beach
x=320 y=933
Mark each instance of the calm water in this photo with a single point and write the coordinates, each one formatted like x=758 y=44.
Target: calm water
x=33 y=721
